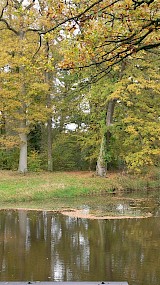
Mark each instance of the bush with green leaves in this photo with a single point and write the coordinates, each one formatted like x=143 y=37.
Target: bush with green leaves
x=67 y=154
x=9 y=159
x=34 y=161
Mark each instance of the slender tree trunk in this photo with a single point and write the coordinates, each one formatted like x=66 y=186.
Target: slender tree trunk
x=22 y=134
x=48 y=80
x=109 y=119
x=49 y=143
x=49 y=127
x=3 y=124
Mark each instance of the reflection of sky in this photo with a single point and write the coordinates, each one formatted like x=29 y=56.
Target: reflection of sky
x=120 y=208
x=56 y=232
x=79 y=249
x=28 y=234
x=78 y=243
x=57 y=269
x=124 y=209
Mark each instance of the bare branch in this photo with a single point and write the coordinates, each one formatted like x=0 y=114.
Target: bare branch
x=78 y=16
x=8 y=26
x=40 y=44
x=30 y=5
x=1 y=15
x=138 y=3
x=148 y=47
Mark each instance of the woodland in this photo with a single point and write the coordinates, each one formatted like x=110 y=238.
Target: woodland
x=79 y=85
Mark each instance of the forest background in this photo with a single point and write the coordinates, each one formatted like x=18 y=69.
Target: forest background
x=79 y=85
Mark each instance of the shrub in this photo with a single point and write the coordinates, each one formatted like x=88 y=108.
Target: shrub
x=34 y=161
x=67 y=153
x=9 y=159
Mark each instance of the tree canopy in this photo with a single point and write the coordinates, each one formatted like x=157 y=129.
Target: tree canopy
x=108 y=31
x=51 y=48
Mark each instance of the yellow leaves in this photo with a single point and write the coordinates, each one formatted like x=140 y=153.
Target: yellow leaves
x=133 y=87
x=136 y=161
x=129 y=103
x=142 y=143
x=128 y=3
x=131 y=130
x=79 y=54
x=138 y=127
x=8 y=142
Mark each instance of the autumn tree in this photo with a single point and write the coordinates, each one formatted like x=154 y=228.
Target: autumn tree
x=96 y=35
x=107 y=34
x=137 y=124
x=127 y=132
x=23 y=87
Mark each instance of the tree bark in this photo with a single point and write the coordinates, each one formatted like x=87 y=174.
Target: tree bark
x=49 y=144
x=101 y=168
x=49 y=127
x=48 y=80
x=3 y=124
x=22 y=168
x=23 y=153
x=109 y=119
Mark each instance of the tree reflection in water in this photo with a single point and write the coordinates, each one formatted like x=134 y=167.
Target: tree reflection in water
x=48 y=246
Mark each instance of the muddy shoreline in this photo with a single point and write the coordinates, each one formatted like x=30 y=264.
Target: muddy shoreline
x=77 y=213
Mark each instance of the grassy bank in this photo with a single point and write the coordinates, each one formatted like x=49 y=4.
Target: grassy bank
x=44 y=187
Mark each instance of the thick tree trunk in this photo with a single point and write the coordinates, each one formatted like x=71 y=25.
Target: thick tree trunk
x=23 y=154
x=101 y=168
x=101 y=163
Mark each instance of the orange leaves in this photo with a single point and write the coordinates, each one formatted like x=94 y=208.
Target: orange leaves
x=112 y=32
x=8 y=142
x=55 y=10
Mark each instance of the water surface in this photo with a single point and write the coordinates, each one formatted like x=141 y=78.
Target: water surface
x=48 y=246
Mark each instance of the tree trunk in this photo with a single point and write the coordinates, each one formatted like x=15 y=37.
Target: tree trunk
x=48 y=80
x=109 y=119
x=23 y=153
x=101 y=168
x=22 y=134
x=49 y=127
x=49 y=144
x=3 y=124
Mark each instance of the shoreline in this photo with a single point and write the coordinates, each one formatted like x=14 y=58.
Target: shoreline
x=80 y=214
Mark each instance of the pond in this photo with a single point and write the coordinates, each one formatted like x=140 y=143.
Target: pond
x=50 y=246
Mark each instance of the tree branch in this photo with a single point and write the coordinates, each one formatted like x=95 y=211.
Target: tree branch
x=78 y=16
x=1 y=15
x=8 y=26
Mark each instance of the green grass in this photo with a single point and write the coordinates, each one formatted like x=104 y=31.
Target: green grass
x=41 y=189
x=40 y=186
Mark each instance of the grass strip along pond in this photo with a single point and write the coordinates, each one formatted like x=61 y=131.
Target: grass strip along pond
x=32 y=189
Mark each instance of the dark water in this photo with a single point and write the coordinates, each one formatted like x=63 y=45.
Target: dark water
x=47 y=246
